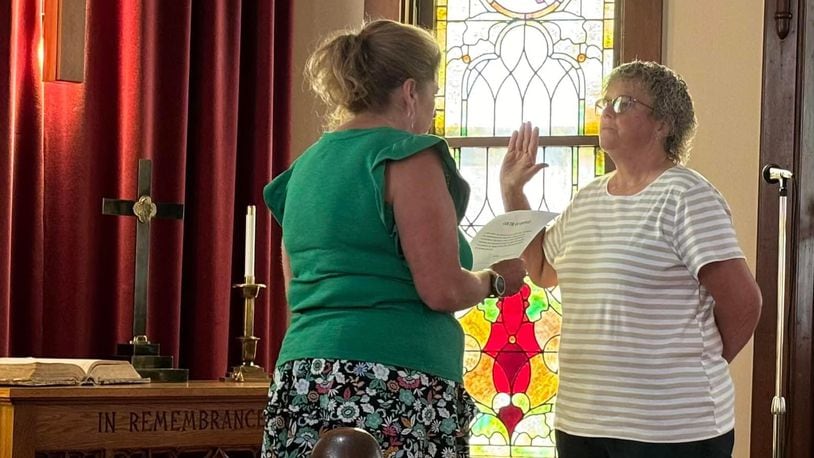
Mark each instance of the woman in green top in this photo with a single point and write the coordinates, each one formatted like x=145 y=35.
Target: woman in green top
x=374 y=262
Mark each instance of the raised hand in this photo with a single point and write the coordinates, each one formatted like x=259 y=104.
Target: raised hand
x=520 y=163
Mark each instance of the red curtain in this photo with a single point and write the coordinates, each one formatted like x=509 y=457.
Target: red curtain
x=202 y=89
x=21 y=178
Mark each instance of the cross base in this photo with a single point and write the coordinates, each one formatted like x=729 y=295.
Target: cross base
x=129 y=349
x=148 y=362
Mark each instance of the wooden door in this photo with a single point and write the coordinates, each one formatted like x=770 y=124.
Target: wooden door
x=787 y=139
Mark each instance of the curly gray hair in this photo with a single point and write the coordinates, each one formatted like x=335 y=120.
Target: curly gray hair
x=671 y=103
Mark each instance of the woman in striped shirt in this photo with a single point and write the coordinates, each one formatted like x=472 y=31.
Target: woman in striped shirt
x=657 y=296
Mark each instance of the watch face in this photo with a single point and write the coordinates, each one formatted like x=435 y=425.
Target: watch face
x=500 y=285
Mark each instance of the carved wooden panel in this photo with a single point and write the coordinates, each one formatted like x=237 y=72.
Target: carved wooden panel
x=196 y=419
x=83 y=454
x=192 y=452
x=197 y=452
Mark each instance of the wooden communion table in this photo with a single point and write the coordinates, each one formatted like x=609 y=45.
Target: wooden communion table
x=193 y=419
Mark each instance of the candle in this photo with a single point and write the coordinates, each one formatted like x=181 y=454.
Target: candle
x=249 y=265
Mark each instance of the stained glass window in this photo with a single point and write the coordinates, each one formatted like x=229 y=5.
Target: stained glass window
x=504 y=62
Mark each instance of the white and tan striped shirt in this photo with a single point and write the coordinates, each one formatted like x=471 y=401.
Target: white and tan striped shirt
x=640 y=354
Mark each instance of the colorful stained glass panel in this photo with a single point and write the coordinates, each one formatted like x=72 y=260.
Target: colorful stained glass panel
x=504 y=62
x=510 y=360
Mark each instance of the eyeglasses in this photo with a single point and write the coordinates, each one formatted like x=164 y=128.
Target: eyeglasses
x=618 y=105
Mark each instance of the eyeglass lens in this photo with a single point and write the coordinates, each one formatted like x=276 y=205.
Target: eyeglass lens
x=618 y=105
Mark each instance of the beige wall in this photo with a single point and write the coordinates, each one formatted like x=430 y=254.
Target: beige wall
x=313 y=20
x=717 y=47
x=724 y=79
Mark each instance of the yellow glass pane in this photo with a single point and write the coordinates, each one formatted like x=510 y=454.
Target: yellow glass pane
x=591 y=119
x=607 y=39
x=550 y=356
x=599 y=163
x=472 y=353
x=476 y=325
x=543 y=385
x=478 y=382
x=439 y=123
x=441 y=13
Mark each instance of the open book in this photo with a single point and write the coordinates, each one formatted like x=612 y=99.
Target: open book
x=506 y=236
x=58 y=371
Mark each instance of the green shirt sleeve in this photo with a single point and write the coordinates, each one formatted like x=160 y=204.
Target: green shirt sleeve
x=406 y=147
x=274 y=194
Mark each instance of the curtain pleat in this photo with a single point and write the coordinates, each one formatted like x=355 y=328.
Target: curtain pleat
x=21 y=179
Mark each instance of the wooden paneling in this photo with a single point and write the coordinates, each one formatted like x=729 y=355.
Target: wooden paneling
x=787 y=139
x=64 y=37
x=639 y=34
x=132 y=419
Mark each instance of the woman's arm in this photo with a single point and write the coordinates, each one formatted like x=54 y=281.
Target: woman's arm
x=737 y=302
x=286 y=261
x=427 y=225
x=540 y=271
x=286 y=267
x=519 y=166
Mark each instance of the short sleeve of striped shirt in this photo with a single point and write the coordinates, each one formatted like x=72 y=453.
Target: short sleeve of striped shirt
x=553 y=240
x=703 y=231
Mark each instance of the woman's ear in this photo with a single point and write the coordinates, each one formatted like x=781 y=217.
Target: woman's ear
x=409 y=90
x=403 y=104
x=663 y=130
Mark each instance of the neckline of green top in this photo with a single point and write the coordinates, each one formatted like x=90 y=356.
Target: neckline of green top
x=347 y=133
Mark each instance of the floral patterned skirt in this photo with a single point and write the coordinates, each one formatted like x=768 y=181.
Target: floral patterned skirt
x=411 y=414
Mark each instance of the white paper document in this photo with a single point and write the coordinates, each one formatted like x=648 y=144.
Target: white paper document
x=506 y=236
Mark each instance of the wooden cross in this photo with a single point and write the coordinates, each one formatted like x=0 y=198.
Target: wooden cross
x=145 y=210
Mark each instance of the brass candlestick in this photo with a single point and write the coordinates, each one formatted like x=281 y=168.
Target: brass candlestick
x=248 y=371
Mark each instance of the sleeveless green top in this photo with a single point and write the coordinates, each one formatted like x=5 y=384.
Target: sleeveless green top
x=351 y=293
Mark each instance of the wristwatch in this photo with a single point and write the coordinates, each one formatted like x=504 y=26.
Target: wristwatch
x=497 y=287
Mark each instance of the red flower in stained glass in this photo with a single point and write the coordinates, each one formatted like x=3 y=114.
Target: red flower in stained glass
x=512 y=343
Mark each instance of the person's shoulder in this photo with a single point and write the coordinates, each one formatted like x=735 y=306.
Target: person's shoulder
x=690 y=185
x=684 y=179
x=376 y=140
x=402 y=144
x=599 y=182
x=319 y=147
x=420 y=142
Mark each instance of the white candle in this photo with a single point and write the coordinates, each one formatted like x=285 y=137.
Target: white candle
x=249 y=265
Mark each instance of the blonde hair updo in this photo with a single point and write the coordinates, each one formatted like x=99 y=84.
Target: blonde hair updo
x=355 y=71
